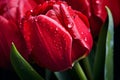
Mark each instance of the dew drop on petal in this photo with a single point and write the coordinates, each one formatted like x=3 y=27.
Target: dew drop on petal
x=82 y=33
x=20 y=25
x=97 y=1
x=73 y=64
x=36 y=19
x=56 y=29
x=31 y=11
x=70 y=25
x=85 y=39
x=47 y=2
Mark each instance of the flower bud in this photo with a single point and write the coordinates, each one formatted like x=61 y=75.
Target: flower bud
x=56 y=35
x=11 y=12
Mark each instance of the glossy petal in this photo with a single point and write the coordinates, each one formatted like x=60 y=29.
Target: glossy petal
x=10 y=16
x=82 y=39
x=51 y=43
x=77 y=25
x=80 y=5
x=9 y=33
x=96 y=13
x=57 y=35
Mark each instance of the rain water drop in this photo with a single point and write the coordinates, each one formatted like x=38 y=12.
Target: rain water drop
x=31 y=11
x=56 y=29
x=82 y=32
x=97 y=2
x=85 y=38
x=70 y=25
x=36 y=20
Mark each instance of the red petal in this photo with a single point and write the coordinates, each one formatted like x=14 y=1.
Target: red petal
x=51 y=43
x=81 y=5
x=82 y=39
x=94 y=10
x=9 y=33
x=52 y=14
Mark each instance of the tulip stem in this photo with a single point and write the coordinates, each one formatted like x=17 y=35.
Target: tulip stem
x=87 y=68
x=79 y=71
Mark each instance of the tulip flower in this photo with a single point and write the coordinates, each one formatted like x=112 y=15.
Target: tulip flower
x=96 y=13
x=56 y=35
x=11 y=12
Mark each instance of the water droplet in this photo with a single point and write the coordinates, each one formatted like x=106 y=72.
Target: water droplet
x=89 y=14
x=20 y=25
x=68 y=16
x=31 y=11
x=56 y=29
x=82 y=32
x=70 y=25
x=97 y=2
x=89 y=30
x=47 y=2
x=73 y=64
x=36 y=20
x=85 y=38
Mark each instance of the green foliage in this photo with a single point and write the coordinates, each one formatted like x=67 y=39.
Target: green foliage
x=103 y=65
x=109 y=48
x=22 y=67
x=100 y=59
x=98 y=68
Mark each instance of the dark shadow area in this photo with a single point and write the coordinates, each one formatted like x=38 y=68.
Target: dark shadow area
x=117 y=54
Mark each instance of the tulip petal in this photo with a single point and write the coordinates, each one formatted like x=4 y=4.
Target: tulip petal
x=56 y=33
x=52 y=14
x=82 y=39
x=9 y=33
x=51 y=43
x=81 y=5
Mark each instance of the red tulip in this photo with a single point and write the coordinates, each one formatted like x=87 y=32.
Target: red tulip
x=11 y=11
x=96 y=13
x=56 y=35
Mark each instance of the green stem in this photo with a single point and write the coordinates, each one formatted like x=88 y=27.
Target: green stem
x=87 y=68
x=79 y=71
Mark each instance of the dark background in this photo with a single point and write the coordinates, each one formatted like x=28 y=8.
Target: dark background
x=117 y=54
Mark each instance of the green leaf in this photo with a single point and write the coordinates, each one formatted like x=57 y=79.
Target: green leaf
x=64 y=75
x=22 y=67
x=79 y=71
x=109 y=48
x=99 y=61
x=85 y=64
x=48 y=74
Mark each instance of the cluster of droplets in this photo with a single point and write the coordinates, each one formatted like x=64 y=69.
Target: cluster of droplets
x=57 y=45
x=85 y=38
